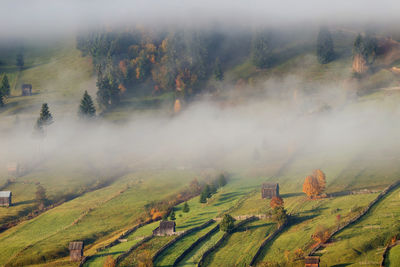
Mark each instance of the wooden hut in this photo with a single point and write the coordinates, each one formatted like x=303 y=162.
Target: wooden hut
x=269 y=190
x=312 y=261
x=26 y=89
x=76 y=250
x=165 y=228
x=5 y=198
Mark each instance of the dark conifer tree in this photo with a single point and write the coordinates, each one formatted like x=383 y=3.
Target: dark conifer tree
x=5 y=86
x=108 y=92
x=218 y=74
x=325 y=51
x=186 y=207
x=172 y=216
x=86 y=108
x=45 y=117
x=261 y=54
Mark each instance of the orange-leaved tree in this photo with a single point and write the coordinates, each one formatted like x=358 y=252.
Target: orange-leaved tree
x=311 y=187
x=315 y=184
x=321 y=178
x=276 y=202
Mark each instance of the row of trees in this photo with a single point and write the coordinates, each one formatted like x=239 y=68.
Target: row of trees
x=178 y=61
x=211 y=188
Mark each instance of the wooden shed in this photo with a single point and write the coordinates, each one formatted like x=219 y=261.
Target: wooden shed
x=5 y=198
x=165 y=228
x=76 y=250
x=269 y=190
x=26 y=89
x=312 y=261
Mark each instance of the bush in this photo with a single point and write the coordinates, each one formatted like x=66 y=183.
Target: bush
x=227 y=224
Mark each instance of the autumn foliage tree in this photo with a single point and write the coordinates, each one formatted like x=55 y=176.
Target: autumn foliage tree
x=276 y=202
x=315 y=184
x=321 y=234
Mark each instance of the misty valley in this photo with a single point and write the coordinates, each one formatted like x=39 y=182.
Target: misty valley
x=199 y=134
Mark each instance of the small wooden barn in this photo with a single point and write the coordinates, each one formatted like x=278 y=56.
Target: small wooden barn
x=5 y=198
x=312 y=261
x=26 y=89
x=76 y=250
x=269 y=190
x=165 y=228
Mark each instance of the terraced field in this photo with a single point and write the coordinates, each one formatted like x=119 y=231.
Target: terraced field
x=363 y=242
x=242 y=245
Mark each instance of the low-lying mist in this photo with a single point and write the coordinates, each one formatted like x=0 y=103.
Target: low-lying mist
x=211 y=134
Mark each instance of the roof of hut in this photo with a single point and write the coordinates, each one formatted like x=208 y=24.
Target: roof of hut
x=167 y=224
x=78 y=245
x=27 y=85
x=270 y=185
x=5 y=193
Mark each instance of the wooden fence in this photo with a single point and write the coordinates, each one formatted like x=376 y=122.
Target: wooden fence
x=264 y=243
x=357 y=218
x=179 y=237
x=193 y=245
x=223 y=238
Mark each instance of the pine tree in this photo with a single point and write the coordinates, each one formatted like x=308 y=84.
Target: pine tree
x=186 y=207
x=221 y=180
x=261 y=54
x=108 y=92
x=86 y=108
x=218 y=74
x=172 y=216
x=203 y=197
x=5 y=86
x=325 y=50
x=45 y=118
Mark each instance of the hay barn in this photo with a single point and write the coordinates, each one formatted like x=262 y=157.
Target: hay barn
x=312 y=261
x=5 y=198
x=269 y=190
x=26 y=89
x=76 y=250
x=165 y=228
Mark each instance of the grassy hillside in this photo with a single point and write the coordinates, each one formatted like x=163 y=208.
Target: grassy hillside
x=363 y=242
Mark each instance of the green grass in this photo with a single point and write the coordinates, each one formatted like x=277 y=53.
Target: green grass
x=393 y=258
x=59 y=75
x=169 y=256
x=308 y=216
x=132 y=239
x=89 y=217
x=151 y=246
x=193 y=258
x=363 y=242
x=239 y=248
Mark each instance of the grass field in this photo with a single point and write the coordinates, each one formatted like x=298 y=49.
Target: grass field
x=394 y=257
x=104 y=211
x=193 y=258
x=241 y=246
x=308 y=216
x=132 y=239
x=363 y=242
x=169 y=256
